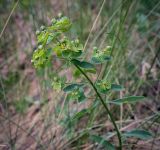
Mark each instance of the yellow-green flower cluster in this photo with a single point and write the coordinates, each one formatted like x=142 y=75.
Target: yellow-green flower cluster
x=100 y=56
x=103 y=85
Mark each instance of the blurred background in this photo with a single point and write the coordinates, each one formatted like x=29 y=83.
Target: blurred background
x=34 y=116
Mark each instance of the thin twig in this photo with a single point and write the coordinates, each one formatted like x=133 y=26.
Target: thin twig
x=21 y=128
x=153 y=61
x=15 y=5
x=94 y=24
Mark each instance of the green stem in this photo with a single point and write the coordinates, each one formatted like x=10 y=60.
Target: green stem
x=103 y=103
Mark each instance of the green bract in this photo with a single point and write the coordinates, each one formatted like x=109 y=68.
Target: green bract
x=41 y=57
x=100 y=56
x=58 y=83
x=63 y=24
x=103 y=86
x=72 y=87
x=76 y=94
x=68 y=49
x=86 y=66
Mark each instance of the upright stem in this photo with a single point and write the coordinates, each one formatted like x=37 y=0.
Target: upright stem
x=103 y=103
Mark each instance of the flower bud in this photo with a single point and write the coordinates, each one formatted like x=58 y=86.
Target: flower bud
x=77 y=41
x=108 y=47
x=42 y=28
x=37 y=32
x=95 y=48
x=55 y=78
x=60 y=15
x=53 y=21
x=40 y=47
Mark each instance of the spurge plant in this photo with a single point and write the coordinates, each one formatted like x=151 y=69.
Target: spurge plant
x=53 y=44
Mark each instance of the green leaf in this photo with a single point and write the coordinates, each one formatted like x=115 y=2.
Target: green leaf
x=41 y=58
x=91 y=71
x=52 y=37
x=101 y=56
x=130 y=99
x=69 y=49
x=76 y=94
x=42 y=37
x=71 y=54
x=100 y=59
x=80 y=114
x=82 y=138
x=116 y=87
x=76 y=73
x=141 y=134
x=102 y=141
x=83 y=64
x=72 y=87
x=63 y=24
x=58 y=83
x=66 y=53
x=76 y=54
x=96 y=60
x=82 y=97
x=57 y=86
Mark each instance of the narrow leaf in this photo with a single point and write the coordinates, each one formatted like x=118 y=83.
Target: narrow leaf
x=72 y=87
x=116 y=87
x=80 y=114
x=82 y=97
x=141 y=134
x=130 y=99
x=102 y=141
x=83 y=64
x=66 y=53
